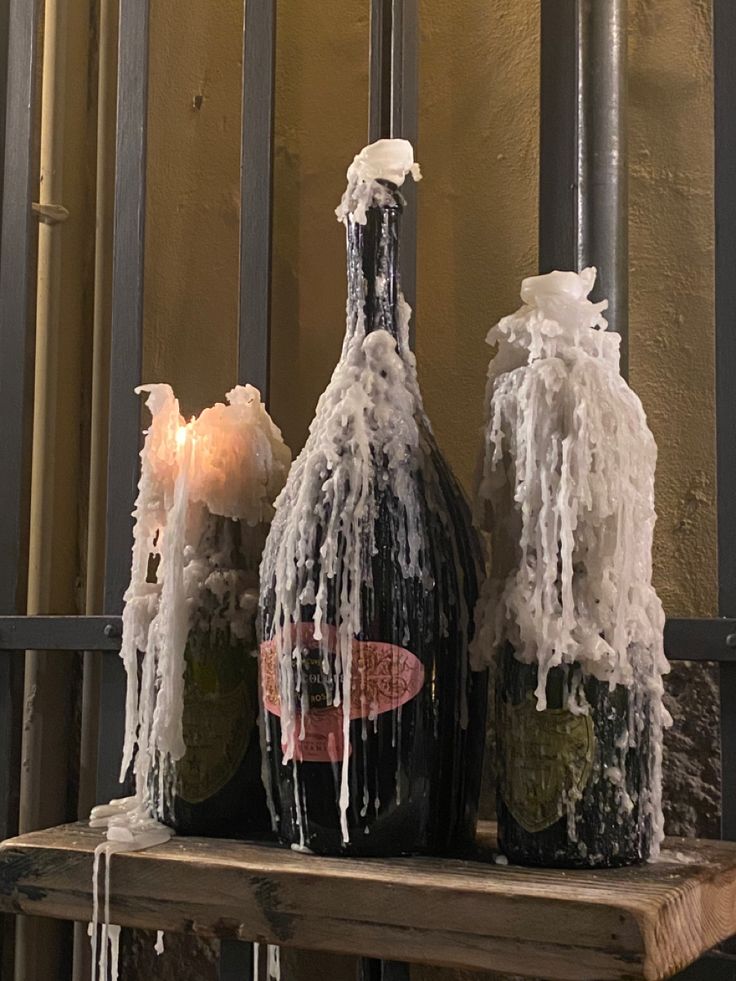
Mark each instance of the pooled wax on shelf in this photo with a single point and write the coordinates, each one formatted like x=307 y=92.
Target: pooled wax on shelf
x=567 y=489
x=229 y=462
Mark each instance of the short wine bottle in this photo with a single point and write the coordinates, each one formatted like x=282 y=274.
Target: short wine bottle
x=568 y=484
x=369 y=582
x=564 y=777
x=215 y=789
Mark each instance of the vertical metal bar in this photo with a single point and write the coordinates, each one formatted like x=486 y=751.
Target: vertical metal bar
x=583 y=206
x=17 y=289
x=393 y=98
x=558 y=141
x=4 y=28
x=256 y=182
x=256 y=220
x=19 y=242
x=393 y=108
x=379 y=95
x=18 y=248
x=236 y=961
x=724 y=67
x=603 y=237
x=125 y=371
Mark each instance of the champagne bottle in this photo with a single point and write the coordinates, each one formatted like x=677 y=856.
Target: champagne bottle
x=374 y=724
x=215 y=789
x=568 y=486
x=564 y=777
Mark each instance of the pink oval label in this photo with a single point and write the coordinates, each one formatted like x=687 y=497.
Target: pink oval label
x=383 y=677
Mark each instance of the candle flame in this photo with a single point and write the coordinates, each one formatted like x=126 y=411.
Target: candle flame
x=181 y=436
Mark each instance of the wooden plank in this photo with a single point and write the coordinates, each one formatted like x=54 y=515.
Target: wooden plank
x=631 y=923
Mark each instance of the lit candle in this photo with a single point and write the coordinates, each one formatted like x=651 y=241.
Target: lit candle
x=228 y=463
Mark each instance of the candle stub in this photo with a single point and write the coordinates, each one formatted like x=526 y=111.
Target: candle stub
x=230 y=462
x=384 y=160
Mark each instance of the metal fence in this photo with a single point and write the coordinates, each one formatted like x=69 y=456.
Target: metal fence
x=582 y=218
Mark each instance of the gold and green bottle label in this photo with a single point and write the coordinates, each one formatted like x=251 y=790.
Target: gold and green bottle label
x=546 y=758
x=220 y=710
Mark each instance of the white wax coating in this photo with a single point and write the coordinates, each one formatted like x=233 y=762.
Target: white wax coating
x=231 y=462
x=567 y=488
x=371 y=410
x=384 y=160
x=274 y=962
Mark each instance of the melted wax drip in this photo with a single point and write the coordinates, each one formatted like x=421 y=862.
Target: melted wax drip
x=567 y=488
x=230 y=461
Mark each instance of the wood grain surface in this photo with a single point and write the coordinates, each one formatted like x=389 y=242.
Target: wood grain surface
x=645 y=922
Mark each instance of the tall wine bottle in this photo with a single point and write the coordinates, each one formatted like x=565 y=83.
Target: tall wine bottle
x=374 y=724
x=215 y=789
x=568 y=482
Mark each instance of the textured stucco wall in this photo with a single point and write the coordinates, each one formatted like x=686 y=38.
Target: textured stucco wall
x=672 y=339
x=672 y=359
x=477 y=239
x=191 y=294
x=478 y=146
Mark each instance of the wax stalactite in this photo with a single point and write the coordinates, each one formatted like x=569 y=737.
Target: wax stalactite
x=205 y=495
x=365 y=505
x=569 y=615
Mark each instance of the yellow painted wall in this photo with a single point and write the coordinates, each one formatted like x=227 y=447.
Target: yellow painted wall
x=478 y=145
x=477 y=222
x=672 y=329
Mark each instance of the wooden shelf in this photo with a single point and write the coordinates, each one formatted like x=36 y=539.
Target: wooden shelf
x=646 y=922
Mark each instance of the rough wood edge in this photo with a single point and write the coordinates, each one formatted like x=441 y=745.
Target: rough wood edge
x=667 y=925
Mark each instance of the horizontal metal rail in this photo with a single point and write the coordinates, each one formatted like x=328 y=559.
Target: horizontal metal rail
x=95 y=633
x=700 y=639
x=685 y=639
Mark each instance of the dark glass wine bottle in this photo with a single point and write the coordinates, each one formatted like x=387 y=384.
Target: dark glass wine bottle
x=414 y=768
x=568 y=477
x=563 y=777
x=216 y=789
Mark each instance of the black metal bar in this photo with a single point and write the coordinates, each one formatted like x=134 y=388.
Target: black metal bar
x=693 y=639
x=18 y=246
x=393 y=112
x=71 y=633
x=393 y=108
x=17 y=295
x=393 y=92
x=256 y=176
x=256 y=222
x=236 y=961
x=724 y=66
x=379 y=95
x=4 y=33
x=713 y=966
x=583 y=159
x=700 y=639
x=558 y=114
x=125 y=372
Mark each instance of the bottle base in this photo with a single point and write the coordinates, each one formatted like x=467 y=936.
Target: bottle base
x=531 y=855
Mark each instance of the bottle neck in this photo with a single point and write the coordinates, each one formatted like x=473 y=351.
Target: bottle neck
x=373 y=266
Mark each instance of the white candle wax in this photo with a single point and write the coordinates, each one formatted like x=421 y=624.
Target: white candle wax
x=567 y=489
x=231 y=462
x=384 y=160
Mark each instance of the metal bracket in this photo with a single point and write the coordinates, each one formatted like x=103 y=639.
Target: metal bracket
x=50 y=214
x=83 y=633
